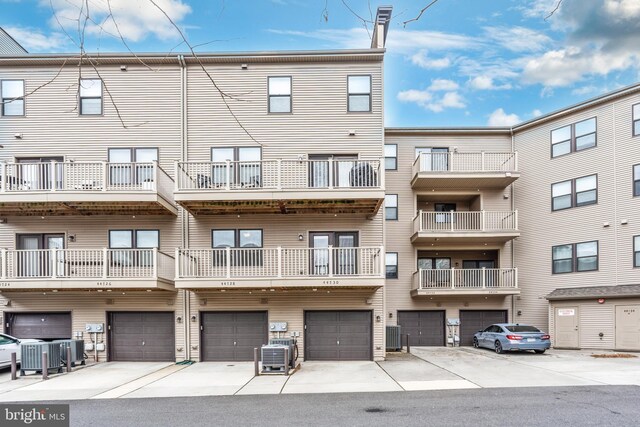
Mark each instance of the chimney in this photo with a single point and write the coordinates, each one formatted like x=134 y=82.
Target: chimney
x=381 y=27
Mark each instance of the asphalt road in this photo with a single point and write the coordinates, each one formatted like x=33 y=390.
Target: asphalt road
x=560 y=406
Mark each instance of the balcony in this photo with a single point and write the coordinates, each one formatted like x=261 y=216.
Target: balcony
x=479 y=281
x=465 y=227
x=280 y=186
x=298 y=268
x=69 y=269
x=453 y=170
x=85 y=188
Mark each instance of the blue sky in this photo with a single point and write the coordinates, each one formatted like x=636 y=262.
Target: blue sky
x=464 y=63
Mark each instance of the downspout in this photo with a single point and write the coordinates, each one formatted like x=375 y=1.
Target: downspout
x=513 y=243
x=184 y=218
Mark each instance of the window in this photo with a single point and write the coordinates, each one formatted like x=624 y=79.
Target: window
x=575 y=137
x=12 y=92
x=636 y=251
x=127 y=240
x=636 y=180
x=239 y=239
x=359 y=88
x=575 y=257
x=574 y=192
x=245 y=168
x=279 y=94
x=90 y=97
x=391 y=206
x=391 y=261
x=636 y=120
x=122 y=172
x=390 y=157
x=433 y=158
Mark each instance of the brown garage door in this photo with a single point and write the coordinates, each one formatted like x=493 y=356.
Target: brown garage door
x=472 y=321
x=338 y=335
x=141 y=336
x=426 y=328
x=44 y=326
x=232 y=335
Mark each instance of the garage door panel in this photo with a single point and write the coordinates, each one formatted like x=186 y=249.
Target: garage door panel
x=472 y=321
x=45 y=326
x=425 y=328
x=232 y=336
x=141 y=336
x=338 y=335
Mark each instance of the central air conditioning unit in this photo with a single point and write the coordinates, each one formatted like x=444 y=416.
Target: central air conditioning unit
x=31 y=357
x=77 y=351
x=394 y=338
x=289 y=342
x=274 y=359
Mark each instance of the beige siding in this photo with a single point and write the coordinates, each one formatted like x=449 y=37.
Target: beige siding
x=92 y=307
x=541 y=228
x=283 y=306
x=398 y=233
x=319 y=122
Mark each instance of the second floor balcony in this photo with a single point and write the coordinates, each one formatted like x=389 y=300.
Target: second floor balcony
x=454 y=170
x=465 y=227
x=85 y=188
x=68 y=269
x=465 y=281
x=262 y=268
x=281 y=186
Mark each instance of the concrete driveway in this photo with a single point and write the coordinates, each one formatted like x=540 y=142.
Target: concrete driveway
x=425 y=369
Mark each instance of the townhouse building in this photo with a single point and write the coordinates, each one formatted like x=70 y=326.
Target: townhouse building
x=194 y=204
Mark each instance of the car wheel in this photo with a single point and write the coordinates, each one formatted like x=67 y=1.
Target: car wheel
x=498 y=347
x=539 y=351
x=476 y=344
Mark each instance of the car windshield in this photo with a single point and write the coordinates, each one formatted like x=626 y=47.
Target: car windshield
x=522 y=328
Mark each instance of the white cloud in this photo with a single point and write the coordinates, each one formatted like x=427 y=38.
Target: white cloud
x=422 y=60
x=136 y=19
x=518 y=39
x=442 y=85
x=536 y=113
x=35 y=40
x=486 y=83
x=500 y=118
x=429 y=101
x=565 y=66
x=584 y=90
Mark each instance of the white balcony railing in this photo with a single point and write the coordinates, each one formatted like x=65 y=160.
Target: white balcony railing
x=466 y=162
x=466 y=278
x=102 y=263
x=271 y=263
x=465 y=221
x=279 y=175
x=85 y=177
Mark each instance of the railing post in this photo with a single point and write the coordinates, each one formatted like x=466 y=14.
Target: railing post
x=516 y=161
x=279 y=262
x=228 y=174
x=54 y=263
x=383 y=263
x=330 y=260
x=484 y=225
x=516 y=218
x=176 y=185
x=4 y=262
x=482 y=160
x=105 y=175
x=3 y=183
x=176 y=260
x=279 y=174
x=484 y=270
x=54 y=175
x=227 y=251
x=330 y=172
x=156 y=258
x=453 y=278
x=105 y=261
x=451 y=168
x=515 y=273
x=451 y=219
x=382 y=176
x=156 y=174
